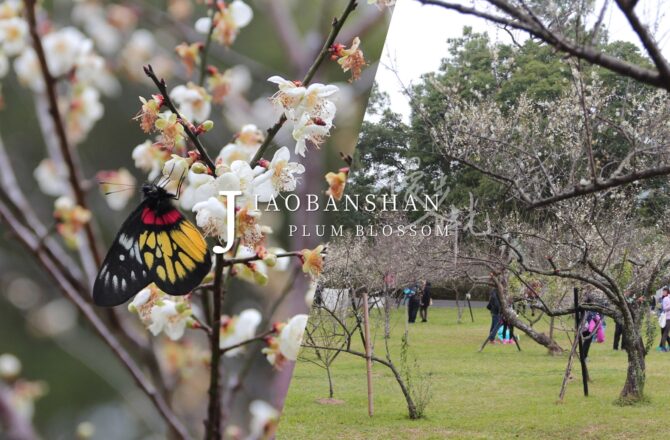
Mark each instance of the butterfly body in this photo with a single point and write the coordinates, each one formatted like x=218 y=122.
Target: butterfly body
x=155 y=244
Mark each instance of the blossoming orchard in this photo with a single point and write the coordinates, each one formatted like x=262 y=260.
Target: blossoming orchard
x=211 y=118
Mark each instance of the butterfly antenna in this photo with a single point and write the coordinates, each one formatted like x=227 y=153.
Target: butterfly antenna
x=117 y=191
x=167 y=178
x=180 y=185
x=129 y=185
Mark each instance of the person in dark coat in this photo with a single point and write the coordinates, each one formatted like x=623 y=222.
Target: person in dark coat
x=413 y=304
x=425 y=301
x=494 y=308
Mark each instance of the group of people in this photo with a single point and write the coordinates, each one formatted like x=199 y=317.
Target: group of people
x=501 y=330
x=418 y=299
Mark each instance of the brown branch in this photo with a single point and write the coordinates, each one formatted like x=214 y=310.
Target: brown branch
x=646 y=38
x=162 y=88
x=71 y=160
x=587 y=53
x=29 y=240
x=208 y=44
x=213 y=422
x=600 y=185
x=322 y=55
x=245 y=260
x=256 y=338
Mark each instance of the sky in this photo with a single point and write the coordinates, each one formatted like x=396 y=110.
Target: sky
x=417 y=39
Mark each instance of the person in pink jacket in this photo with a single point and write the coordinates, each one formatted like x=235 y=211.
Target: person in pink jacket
x=665 y=308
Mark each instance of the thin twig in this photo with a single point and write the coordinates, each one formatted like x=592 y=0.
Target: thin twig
x=208 y=44
x=162 y=88
x=253 y=258
x=256 y=338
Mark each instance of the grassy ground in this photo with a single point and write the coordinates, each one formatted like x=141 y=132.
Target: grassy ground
x=499 y=393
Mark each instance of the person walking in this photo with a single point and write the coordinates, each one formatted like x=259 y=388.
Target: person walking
x=592 y=324
x=413 y=304
x=665 y=310
x=618 y=327
x=425 y=301
x=494 y=308
x=618 y=333
x=507 y=331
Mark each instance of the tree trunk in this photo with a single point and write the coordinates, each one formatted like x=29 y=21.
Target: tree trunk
x=511 y=317
x=633 y=389
x=411 y=408
x=540 y=338
x=331 y=392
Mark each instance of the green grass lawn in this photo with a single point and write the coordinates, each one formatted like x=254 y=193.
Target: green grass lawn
x=499 y=393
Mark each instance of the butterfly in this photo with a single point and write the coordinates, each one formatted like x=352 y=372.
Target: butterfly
x=155 y=244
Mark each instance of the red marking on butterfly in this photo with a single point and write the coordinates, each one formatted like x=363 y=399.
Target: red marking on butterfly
x=149 y=217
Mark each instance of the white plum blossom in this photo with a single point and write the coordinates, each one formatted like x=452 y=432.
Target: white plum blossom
x=174 y=172
x=286 y=345
x=27 y=68
x=244 y=146
x=140 y=300
x=92 y=69
x=169 y=317
x=198 y=187
x=91 y=17
x=308 y=130
x=13 y=35
x=228 y=21
x=62 y=49
x=211 y=217
x=311 y=109
x=193 y=102
x=264 y=419
x=382 y=3
x=318 y=101
x=10 y=8
x=116 y=185
x=315 y=100
x=239 y=329
x=85 y=109
x=234 y=151
x=149 y=159
x=280 y=176
x=311 y=293
x=138 y=51
x=291 y=335
x=289 y=95
x=50 y=179
x=250 y=136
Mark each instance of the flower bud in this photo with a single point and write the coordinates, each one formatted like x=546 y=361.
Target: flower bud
x=10 y=366
x=199 y=168
x=270 y=260
x=206 y=126
x=260 y=278
x=85 y=430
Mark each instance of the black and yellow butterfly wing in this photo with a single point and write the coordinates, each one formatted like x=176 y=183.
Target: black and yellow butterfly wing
x=153 y=245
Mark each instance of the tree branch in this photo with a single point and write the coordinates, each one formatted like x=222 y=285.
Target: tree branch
x=70 y=158
x=162 y=88
x=28 y=239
